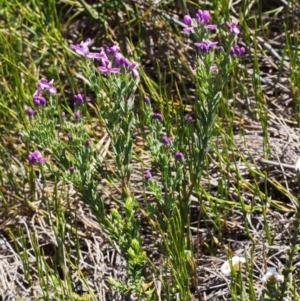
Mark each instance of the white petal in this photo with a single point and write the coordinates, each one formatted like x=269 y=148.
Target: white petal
x=225 y=268
x=272 y=273
x=280 y=278
x=235 y=260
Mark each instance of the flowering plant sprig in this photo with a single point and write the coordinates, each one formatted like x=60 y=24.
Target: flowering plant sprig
x=167 y=160
x=197 y=24
x=114 y=84
x=42 y=120
x=114 y=81
x=83 y=50
x=44 y=130
x=35 y=157
x=217 y=54
x=205 y=36
x=179 y=163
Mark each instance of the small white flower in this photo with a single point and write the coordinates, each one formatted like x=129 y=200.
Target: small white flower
x=235 y=262
x=272 y=276
x=297 y=165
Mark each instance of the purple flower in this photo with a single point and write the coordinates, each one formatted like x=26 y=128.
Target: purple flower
x=36 y=93
x=103 y=57
x=233 y=27
x=83 y=50
x=87 y=143
x=45 y=84
x=39 y=100
x=63 y=114
x=187 y=29
x=79 y=98
x=120 y=59
x=179 y=156
x=157 y=116
x=133 y=67
x=72 y=169
x=189 y=118
x=242 y=50
x=166 y=140
x=214 y=68
x=147 y=99
x=126 y=63
x=237 y=50
x=188 y=20
x=206 y=45
x=147 y=175
x=69 y=136
x=77 y=114
x=30 y=112
x=35 y=157
x=203 y=16
x=105 y=62
x=113 y=50
x=94 y=55
x=210 y=26
x=107 y=69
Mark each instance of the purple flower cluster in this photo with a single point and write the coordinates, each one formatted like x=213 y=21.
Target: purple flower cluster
x=35 y=157
x=120 y=60
x=83 y=50
x=237 y=50
x=179 y=156
x=43 y=85
x=202 y=18
x=233 y=27
x=201 y=21
x=107 y=56
x=157 y=116
x=166 y=140
x=80 y=98
x=39 y=100
x=205 y=45
x=106 y=63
